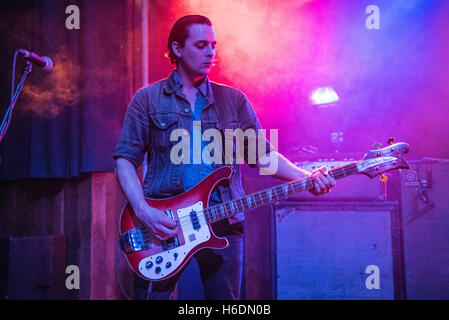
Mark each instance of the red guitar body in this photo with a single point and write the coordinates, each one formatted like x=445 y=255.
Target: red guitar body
x=158 y=260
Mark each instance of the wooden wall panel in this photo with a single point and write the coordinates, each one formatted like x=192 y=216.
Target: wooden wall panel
x=106 y=209
x=85 y=210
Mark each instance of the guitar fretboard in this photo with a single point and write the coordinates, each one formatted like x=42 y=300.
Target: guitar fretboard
x=267 y=196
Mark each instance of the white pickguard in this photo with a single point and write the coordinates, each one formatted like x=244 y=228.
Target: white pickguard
x=177 y=255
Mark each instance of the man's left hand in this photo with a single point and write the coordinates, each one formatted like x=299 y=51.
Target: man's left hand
x=322 y=181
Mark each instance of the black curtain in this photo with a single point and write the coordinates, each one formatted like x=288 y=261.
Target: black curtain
x=67 y=121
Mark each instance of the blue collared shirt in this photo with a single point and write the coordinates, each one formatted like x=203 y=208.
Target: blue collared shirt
x=195 y=172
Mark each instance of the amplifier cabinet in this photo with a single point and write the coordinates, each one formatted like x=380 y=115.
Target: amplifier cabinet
x=357 y=187
x=33 y=268
x=335 y=250
x=425 y=214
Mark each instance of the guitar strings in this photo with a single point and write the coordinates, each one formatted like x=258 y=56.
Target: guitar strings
x=225 y=207
x=304 y=183
x=222 y=210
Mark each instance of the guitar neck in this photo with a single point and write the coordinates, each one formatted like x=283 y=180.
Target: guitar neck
x=267 y=196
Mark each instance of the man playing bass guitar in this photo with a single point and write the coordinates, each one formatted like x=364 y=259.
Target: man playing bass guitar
x=188 y=100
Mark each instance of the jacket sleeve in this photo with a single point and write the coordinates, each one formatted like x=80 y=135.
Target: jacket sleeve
x=135 y=133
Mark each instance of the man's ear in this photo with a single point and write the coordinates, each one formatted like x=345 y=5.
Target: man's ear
x=177 y=49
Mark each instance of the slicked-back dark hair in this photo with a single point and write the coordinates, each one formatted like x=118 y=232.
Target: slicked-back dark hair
x=180 y=32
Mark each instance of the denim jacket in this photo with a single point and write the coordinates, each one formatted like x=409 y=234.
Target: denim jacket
x=156 y=110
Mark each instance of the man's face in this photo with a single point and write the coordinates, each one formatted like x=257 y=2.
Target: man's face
x=198 y=53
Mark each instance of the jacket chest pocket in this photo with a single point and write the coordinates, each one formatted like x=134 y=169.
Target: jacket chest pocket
x=162 y=124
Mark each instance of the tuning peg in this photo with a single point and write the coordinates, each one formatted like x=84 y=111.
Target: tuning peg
x=390 y=141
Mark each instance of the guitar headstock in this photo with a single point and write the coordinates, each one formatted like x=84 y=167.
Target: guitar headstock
x=376 y=162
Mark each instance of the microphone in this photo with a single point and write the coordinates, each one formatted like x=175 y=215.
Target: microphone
x=42 y=62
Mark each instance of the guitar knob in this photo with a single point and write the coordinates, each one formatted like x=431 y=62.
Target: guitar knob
x=175 y=255
x=149 y=264
x=390 y=141
x=159 y=260
x=157 y=270
x=168 y=265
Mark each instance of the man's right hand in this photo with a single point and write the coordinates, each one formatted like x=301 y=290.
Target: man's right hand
x=158 y=224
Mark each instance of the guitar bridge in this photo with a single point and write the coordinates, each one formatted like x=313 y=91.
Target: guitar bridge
x=134 y=240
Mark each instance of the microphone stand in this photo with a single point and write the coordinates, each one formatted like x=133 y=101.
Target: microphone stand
x=4 y=126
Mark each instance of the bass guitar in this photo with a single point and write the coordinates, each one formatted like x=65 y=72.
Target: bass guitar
x=157 y=260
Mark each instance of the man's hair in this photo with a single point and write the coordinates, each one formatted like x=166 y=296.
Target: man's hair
x=180 y=32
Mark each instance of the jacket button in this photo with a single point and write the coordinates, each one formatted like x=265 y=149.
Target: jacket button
x=186 y=110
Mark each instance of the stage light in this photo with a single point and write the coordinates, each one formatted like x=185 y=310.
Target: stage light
x=324 y=96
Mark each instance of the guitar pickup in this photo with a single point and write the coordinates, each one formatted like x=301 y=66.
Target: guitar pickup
x=170 y=243
x=134 y=240
x=195 y=221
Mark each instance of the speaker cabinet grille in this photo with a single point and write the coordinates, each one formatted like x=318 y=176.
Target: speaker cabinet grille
x=323 y=250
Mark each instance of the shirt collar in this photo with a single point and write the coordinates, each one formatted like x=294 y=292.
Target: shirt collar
x=174 y=83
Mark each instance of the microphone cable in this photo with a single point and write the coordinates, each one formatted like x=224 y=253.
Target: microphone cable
x=7 y=117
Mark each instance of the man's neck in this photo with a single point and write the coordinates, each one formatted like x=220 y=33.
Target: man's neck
x=188 y=80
